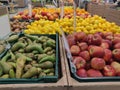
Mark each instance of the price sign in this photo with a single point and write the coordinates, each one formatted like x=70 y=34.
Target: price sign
x=4 y=22
x=74 y=24
x=30 y=7
x=61 y=9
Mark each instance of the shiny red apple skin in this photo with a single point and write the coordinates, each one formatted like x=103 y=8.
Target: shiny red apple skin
x=94 y=73
x=108 y=55
x=79 y=62
x=79 y=36
x=117 y=46
x=96 y=51
x=85 y=55
x=75 y=50
x=98 y=63
x=83 y=46
x=109 y=71
x=82 y=72
x=105 y=45
x=116 y=54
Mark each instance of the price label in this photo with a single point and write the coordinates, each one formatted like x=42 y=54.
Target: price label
x=4 y=22
x=30 y=7
x=61 y=9
x=74 y=24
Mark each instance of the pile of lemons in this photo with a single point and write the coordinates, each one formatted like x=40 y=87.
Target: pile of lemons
x=89 y=25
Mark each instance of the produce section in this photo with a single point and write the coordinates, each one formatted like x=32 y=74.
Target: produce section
x=47 y=49
x=50 y=13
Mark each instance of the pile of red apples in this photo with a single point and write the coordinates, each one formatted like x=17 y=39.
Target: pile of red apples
x=95 y=55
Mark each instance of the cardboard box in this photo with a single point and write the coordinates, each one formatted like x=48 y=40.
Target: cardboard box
x=112 y=15
x=20 y=3
x=89 y=7
x=96 y=9
x=3 y=10
x=75 y=85
x=36 y=4
x=60 y=85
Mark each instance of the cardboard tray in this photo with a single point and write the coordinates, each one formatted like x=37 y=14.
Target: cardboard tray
x=45 y=79
x=76 y=85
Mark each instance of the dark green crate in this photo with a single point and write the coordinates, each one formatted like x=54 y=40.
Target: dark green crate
x=8 y=45
x=46 y=79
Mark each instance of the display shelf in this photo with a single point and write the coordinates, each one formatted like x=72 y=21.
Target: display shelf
x=60 y=85
x=75 y=85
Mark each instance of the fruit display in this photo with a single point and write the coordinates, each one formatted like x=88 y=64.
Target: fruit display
x=89 y=25
x=42 y=27
x=95 y=55
x=17 y=26
x=29 y=57
x=50 y=13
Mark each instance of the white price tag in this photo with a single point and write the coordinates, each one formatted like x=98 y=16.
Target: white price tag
x=30 y=7
x=74 y=24
x=61 y=9
x=4 y=22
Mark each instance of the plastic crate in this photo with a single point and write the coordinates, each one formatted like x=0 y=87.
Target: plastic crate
x=45 y=79
x=89 y=79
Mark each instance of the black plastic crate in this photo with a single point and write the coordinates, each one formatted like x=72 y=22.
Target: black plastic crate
x=89 y=79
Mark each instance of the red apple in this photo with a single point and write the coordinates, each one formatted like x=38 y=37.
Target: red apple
x=96 y=51
x=94 y=73
x=37 y=17
x=104 y=45
x=29 y=17
x=20 y=13
x=75 y=50
x=33 y=14
x=79 y=62
x=108 y=55
x=83 y=46
x=94 y=39
x=24 y=17
x=97 y=63
x=110 y=38
x=117 y=46
x=107 y=41
x=51 y=18
x=108 y=34
x=44 y=13
x=90 y=46
x=87 y=66
x=101 y=34
x=82 y=73
x=116 y=40
x=109 y=71
x=118 y=74
x=79 y=36
x=97 y=39
x=116 y=54
x=85 y=55
x=48 y=14
x=117 y=35
x=71 y=40
x=116 y=66
x=55 y=15
x=89 y=39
